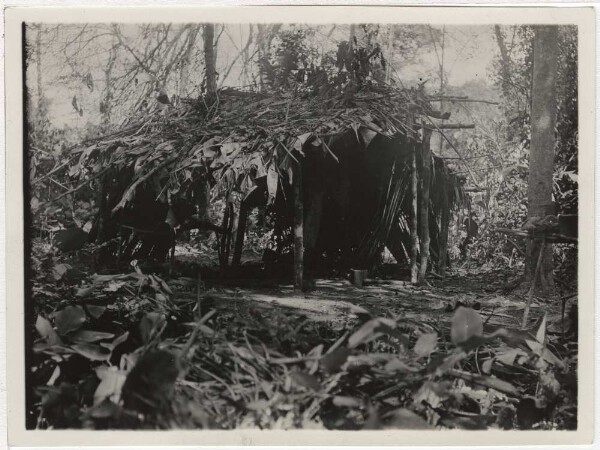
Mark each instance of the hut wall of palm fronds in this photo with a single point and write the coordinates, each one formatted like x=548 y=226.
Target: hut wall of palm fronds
x=353 y=153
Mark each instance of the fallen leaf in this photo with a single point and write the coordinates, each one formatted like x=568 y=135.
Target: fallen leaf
x=346 y=402
x=331 y=362
x=465 y=324
x=426 y=344
x=305 y=380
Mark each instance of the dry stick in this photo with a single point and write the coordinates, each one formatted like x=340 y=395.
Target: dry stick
x=76 y=188
x=288 y=151
x=330 y=152
x=53 y=171
x=425 y=239
x=414 y=236
x=455 y=149
x=461 y=100
x=455 y=126
x=532 y=288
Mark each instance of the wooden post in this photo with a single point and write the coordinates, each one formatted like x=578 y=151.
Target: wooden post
x=426 y=180
x=240 y=234
x=235 y=201
x=225 y=237
x=414 y=232
x=298 y=229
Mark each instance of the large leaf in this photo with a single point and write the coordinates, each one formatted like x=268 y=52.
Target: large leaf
x=92 y=352
x=44 y=327
x=367 y=135
x=118 y=341
x=371 y=330
x=69 y=319
x=111 y=382
x=89 y=336
x=151 y=324
x=301 y=140
x=272 y=182
x=60 y=270
x=466 y=323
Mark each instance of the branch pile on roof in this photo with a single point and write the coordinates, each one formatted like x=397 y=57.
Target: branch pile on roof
x=242 y=136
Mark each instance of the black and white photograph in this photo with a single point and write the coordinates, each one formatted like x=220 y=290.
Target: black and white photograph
x=342 y=225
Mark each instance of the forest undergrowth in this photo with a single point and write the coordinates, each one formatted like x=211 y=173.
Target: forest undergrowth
x=139 y=349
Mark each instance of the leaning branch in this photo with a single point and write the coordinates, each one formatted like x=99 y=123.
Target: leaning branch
x=455 y=149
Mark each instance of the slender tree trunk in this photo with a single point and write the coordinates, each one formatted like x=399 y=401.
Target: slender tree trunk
x=264 y=37
x=210 y=61
x=505 y=62
x=541 y=157
x=426 y=181
x=186 y=61
x=414 y=226
x=105 y=111
x=38 y=61
x=389 y=54
x=443 y=241
x=298 y=230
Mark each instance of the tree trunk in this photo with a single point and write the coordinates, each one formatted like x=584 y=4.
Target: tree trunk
x=298 y=230
x=444 y=225
x=106 y=109
x=426 y=180
x=414 y=225
x=210 y=61
x=504 y=61
x=186 y=61
x=541 y=158
x=389 y=54
x=264 y=37
x=38 y=61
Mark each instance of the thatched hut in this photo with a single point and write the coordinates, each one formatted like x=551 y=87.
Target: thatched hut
x=341 y=172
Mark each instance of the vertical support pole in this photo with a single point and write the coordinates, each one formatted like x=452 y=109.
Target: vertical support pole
x=426 y=180
x=298 y=229
x=225 y=237
x=240 y=234
x=414 y=232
